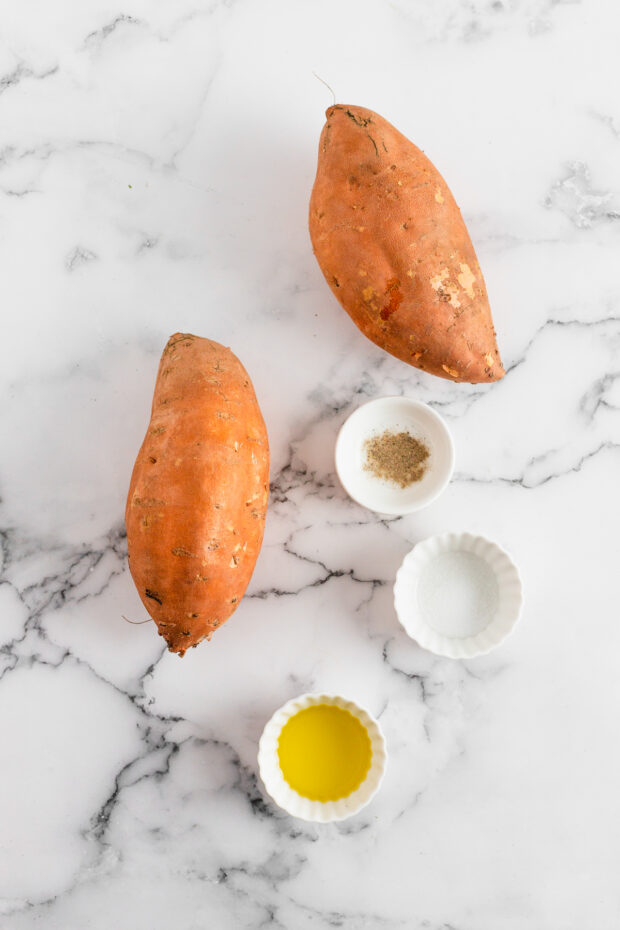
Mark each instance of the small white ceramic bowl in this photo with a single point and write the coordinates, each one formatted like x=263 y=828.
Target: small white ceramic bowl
x=458 y=595
x=292 y=802
x=397 y=414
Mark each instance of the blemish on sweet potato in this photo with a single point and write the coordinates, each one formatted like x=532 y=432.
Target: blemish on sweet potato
x=395 y=299
x=466 y=279
x=148 y=502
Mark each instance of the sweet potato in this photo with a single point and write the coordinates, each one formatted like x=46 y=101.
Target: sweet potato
x=198 y=495
x=395 y=251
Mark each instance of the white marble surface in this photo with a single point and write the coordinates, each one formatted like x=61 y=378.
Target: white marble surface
x=156 y=161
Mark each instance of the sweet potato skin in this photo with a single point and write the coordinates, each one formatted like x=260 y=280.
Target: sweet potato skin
x=395 y=251
x=197 y=500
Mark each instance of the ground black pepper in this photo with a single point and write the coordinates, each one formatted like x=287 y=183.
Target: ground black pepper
x=397 y=457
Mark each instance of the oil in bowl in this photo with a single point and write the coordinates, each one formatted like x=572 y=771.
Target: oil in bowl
x=322 y=757
x=324 y=752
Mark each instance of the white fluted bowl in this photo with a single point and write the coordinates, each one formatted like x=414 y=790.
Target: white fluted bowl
x=458 y=595
x=297 y=805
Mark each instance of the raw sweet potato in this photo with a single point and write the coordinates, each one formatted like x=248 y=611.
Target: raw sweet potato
x=395 y=251
x=198 y=495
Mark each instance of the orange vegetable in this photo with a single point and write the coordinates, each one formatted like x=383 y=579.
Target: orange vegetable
x=395 y=251
x=198 y=495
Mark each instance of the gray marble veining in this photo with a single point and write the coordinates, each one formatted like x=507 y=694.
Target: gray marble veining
x=155 y=168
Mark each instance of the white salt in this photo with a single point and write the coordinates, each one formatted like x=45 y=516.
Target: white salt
x=458 y=594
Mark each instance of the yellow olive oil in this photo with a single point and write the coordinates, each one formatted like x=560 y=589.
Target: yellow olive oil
x=324 y=752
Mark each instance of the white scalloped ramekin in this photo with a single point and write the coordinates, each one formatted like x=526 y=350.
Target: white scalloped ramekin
x=292 y=802
x=420 y=627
